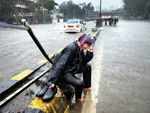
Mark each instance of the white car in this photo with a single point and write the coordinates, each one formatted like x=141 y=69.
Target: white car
x=74 y=25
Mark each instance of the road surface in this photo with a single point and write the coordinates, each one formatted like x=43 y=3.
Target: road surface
x=18 y=52
x=122 y=68
x=121 y=80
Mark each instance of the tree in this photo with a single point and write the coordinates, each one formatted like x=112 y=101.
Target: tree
x=7 y=9
x=43 y=10
x=72 y=10
x=87 y=8
x=135 y=7
x=147 y=10
x=47 y=4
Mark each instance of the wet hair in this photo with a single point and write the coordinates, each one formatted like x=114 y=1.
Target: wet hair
x=85 y=39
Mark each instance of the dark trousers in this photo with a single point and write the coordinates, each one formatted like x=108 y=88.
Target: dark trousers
x=74 y=85
x=87 y=76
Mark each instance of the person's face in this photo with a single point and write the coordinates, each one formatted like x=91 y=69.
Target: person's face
x=85 y=47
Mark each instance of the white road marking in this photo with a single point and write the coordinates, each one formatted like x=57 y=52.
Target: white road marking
x=96 y=71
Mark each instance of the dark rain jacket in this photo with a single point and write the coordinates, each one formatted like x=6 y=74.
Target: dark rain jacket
x=70 y=60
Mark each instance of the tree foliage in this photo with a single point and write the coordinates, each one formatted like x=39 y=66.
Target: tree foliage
x=72 y=10
x=6 y=9
x=47 y=4
x=137 y=7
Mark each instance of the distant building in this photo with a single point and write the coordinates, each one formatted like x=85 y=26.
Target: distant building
x=24 y=9
x=27 y=9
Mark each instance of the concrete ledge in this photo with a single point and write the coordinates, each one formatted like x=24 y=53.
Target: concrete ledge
x=10 y=85
x=57 y=104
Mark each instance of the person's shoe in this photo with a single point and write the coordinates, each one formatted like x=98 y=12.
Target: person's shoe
x=42 y=91
x=50 y=93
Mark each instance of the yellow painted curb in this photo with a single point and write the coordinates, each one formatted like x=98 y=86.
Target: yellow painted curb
x=42 y=61
x=50 y=107
x=22 y=75
x=89 y=105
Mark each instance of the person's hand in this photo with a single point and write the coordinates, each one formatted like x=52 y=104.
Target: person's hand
x=51 y=85
x=90 y=49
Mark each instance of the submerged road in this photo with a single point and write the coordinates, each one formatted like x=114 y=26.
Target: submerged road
x=18 y=52
x=121 y=77
x=121 y=80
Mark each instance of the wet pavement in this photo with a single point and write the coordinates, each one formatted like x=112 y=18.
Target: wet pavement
x=120 y=74
x=18 y=52
x=121 y=78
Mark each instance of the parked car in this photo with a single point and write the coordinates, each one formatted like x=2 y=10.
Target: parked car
x=74 y=25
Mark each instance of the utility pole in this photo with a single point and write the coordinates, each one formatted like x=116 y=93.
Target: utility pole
x=100 y=8
x=99 y=19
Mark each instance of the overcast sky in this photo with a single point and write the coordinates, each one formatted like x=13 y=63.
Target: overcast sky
x=106 y=4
